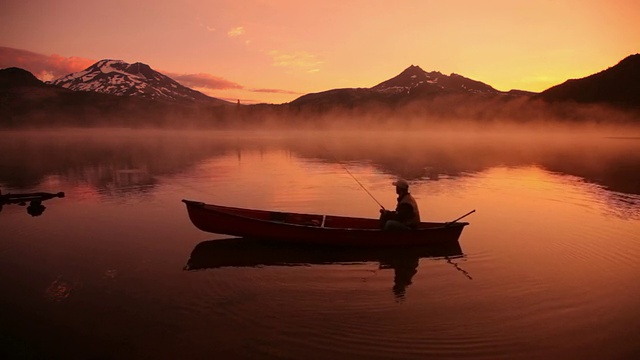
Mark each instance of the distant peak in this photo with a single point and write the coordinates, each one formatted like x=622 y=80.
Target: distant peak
x=140 y=67
x=110 y=65
x=117 y=77
x=104 y=62
x=414 y=68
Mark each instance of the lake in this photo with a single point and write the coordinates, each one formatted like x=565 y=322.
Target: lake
x=547 y=269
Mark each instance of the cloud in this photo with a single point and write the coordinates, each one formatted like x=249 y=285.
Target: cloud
x=235 y=32
x=298 y=59
x=203 y=25
x=202 y=80
x=49 y=67
x=275 y=91
x=44 y=67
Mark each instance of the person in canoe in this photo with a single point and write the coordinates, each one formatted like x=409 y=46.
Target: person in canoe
x=406 y=216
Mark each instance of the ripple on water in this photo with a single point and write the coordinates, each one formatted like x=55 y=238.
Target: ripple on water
x=605 y=245
x=344 y=310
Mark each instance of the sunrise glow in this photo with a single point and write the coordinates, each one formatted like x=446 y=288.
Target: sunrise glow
x=277 y=50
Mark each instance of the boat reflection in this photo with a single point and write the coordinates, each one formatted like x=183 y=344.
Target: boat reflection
x=35 y=207
x=245 y=252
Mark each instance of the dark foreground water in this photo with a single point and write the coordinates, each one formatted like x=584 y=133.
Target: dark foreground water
x=548 y=268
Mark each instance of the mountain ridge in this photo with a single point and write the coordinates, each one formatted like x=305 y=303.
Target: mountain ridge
x=413 y=83
x=414 y=77
x=112 y=91
x=25 y=101
x=617 y=85
x=14 y=76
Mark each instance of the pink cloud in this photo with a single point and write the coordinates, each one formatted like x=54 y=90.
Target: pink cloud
x=235 y=32
x=204 y=81
x=44 y=67
x=49 y=67
x=275 y=91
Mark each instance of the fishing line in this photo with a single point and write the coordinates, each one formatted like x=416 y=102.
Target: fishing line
x=354 y=178
x=362 y=186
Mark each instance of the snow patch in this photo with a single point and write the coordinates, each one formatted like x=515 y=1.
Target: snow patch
x=74 y=76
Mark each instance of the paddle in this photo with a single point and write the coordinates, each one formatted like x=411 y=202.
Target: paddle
x=461 y=217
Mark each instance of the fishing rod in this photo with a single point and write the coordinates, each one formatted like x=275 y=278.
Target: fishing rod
x=359 y=183
x=354 y=178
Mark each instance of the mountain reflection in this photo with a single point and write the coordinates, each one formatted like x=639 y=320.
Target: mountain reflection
x=124 y=160
x=610 y=162
x=104 y=160
x=243 y=252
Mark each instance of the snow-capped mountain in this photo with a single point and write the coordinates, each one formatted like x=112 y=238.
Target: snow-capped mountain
x=27 y=101
x=119 y=78
x=414 y=79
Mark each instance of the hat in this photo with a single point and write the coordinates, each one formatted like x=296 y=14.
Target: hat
x=401 y=183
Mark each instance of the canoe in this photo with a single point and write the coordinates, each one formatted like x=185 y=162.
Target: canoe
x=312 y=229
x=247 y=252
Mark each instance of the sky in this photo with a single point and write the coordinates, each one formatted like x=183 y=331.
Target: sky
x=274 y=51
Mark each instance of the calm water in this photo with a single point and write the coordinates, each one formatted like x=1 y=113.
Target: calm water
x=548 y=268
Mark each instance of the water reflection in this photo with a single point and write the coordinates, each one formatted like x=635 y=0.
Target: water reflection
x=245 y=252
x=35 y=207
x=106 y=160
x=611 y=162
x=133 y=159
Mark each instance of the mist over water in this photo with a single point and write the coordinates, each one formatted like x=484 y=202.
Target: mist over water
x=101 y=157
x=547 y=267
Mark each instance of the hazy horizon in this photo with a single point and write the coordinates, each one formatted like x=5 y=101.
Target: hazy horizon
x=275 y=51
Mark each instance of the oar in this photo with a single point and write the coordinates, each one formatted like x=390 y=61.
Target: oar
x=461 y=217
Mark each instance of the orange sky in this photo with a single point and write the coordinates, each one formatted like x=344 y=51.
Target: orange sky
x=276 y=50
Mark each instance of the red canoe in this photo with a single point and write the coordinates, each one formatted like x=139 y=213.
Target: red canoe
x=314 y=229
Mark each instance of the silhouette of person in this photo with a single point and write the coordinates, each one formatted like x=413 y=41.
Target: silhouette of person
x=406 y=216
x=404 y=268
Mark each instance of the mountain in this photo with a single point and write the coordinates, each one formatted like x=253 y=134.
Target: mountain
x=114 y=93
x=413 y=79
x=618 y=85
x=27 y=101
x=119 y=78
x=411 y=84
x=15 y=77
